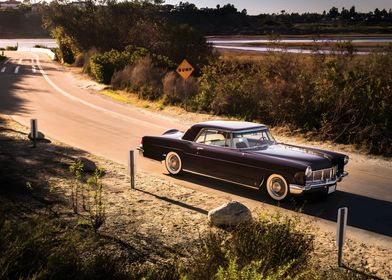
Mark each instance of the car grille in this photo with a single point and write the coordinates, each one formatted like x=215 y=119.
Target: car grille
x=322 y=175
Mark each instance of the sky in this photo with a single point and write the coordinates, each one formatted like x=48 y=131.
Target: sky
x=255 y=7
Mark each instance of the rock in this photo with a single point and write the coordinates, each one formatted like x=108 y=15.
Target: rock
x=88 y=165
x=41 y=136
x=230 y=214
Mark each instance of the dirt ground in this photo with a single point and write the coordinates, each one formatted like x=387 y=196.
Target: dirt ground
x=162 y=220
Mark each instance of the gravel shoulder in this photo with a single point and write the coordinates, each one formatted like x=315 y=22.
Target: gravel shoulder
x=161 y=219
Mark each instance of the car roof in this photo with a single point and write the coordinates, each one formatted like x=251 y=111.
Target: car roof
x=230 y=125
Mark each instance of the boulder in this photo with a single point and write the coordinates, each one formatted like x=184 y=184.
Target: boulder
x=230 y=214
x=88 y=165
x=41 y=136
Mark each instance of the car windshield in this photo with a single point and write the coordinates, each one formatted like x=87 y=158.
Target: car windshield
x=253 y=139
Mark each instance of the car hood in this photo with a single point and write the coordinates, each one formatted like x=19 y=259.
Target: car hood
x=315 y=159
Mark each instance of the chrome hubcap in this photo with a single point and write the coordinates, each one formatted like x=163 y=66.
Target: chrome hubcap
x=174 y=163
x=277 y=187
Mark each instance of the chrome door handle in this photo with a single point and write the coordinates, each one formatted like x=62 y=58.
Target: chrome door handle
x=199 y=148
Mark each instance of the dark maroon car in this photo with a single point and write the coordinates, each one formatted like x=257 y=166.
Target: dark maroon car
x=246 y=153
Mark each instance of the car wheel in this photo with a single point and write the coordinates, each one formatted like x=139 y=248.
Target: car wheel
x=277 y=187
x=173 y=163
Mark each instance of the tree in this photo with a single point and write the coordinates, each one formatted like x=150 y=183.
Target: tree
x=333 y=12
x=353 y=13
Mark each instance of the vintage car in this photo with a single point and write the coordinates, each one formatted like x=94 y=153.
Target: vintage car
x=247 y=154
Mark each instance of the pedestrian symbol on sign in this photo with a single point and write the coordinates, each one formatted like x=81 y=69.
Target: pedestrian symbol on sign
x=185 y=69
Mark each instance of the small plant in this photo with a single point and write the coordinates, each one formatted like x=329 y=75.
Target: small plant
x=29 y=186
x=76 y=170
x=95 y=205
x=90 y=194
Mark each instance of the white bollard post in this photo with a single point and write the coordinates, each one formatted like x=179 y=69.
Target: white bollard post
x=341 y=232
x=34 y=131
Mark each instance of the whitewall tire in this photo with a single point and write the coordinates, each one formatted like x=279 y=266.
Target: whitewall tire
x=277 y=187
x=173 y=163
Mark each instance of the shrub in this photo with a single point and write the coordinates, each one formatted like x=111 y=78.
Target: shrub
x=142 y=77
x=275 y=248
x=104 y=65
x=146 y=79
x=176 y=90
x=343 y=97
x=83 y=60
x=11 y=48
x=43 y=249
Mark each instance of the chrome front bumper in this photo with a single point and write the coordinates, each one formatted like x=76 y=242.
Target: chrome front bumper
x=140 y=149
x=315 y=186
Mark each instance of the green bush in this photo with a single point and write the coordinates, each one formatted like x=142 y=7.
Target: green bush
x=103 y=66
x=272 y=248
x=11 y=48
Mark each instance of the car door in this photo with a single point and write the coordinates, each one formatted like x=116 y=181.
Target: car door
x=209 y=144
x=215 y=156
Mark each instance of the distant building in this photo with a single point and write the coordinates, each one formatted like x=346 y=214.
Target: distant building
x=10 y=4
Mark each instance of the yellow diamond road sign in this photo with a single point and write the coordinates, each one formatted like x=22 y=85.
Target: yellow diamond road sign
x=185 y=69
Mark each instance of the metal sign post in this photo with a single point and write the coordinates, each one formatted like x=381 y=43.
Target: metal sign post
x=341 y=231
x=131 y=167
x=34 y=131
x=185 y=70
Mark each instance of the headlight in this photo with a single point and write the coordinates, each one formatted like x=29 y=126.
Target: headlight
x=308 y=171
x=345 y=160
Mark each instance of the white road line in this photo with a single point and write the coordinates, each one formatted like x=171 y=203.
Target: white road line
x=66 y=94
x=20 y=61
x=16 y=70
x=8 y=60
x=3 y=69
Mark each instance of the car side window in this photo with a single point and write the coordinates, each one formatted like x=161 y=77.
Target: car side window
x=214 y=137
x=201 y=138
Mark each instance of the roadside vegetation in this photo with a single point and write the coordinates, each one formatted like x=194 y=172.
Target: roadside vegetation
x=52 y=248
x=342 y=97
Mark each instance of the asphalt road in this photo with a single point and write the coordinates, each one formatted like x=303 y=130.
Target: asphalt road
x=31 y=86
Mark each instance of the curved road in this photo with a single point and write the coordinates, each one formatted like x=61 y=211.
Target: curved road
x=31 y=86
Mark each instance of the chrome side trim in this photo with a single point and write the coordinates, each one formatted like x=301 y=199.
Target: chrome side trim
x=296 y=189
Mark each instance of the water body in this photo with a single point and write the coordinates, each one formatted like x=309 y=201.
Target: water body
x=268 y=49
x=217 y=43
x=328 y=40
x=28 y=43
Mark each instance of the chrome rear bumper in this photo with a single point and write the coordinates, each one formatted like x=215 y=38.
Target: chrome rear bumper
x=315 y=186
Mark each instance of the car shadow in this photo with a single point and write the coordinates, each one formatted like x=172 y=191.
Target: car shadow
x=364 y=212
